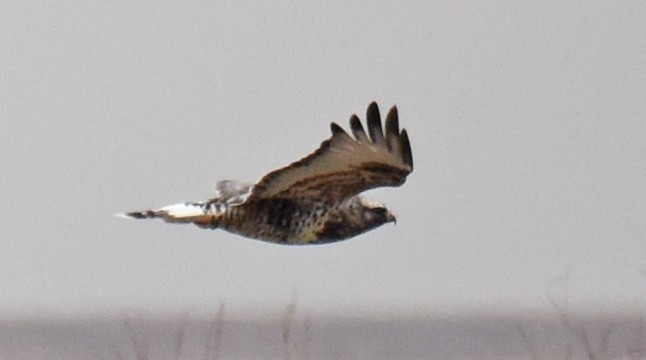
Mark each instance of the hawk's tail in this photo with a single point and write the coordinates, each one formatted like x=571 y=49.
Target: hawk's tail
x=184 y=213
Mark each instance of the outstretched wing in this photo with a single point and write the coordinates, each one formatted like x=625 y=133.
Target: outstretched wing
x=344 y=166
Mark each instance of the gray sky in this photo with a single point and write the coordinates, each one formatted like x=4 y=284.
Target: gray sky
x=527 y=122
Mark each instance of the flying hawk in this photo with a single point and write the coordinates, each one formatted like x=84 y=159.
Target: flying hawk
x=314 y=200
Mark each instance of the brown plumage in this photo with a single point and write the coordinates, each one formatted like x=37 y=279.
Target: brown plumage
x=313 y=200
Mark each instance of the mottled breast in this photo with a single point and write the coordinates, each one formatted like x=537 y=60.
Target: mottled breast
x=279 y=220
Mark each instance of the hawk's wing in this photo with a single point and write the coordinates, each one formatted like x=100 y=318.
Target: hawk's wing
x=344 y=166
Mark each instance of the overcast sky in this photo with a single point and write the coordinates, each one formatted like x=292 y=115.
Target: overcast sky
x=527 y=122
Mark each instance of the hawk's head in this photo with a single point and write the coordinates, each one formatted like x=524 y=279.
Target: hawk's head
x=374 y=213
x=356 y=216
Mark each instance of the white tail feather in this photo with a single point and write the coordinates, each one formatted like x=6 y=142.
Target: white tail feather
x=178 y=213
x=186 y=210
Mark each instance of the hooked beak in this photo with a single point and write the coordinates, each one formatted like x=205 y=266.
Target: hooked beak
x=390 y=217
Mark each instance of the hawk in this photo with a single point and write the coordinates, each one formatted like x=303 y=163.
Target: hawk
x=315 y=200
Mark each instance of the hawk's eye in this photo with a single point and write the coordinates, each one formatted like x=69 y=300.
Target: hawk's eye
x=379 y=212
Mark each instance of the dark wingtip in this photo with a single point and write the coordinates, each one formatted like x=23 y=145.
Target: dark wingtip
x=392 y=121
x=355 y=123
x=374 y=123
x=373 y=112
x=392 y=128
x=357 y=129
x=336 y=129
x=407 y=153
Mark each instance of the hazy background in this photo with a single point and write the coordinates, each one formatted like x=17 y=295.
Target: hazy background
x=527 y=121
